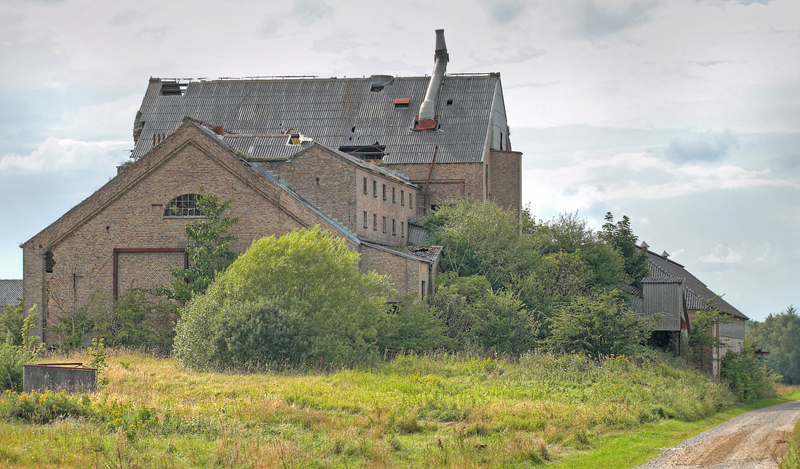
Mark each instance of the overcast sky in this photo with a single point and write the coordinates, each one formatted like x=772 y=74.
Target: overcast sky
x=682 y=114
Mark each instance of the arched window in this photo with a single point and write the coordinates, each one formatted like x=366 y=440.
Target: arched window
x=183 y=206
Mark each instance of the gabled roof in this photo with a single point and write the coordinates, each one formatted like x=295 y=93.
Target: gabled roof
x=696 y=293
x=335 y=112
x=10 y=290
x=88 y=208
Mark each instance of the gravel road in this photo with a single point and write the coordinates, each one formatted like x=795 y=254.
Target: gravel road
x=757 y=439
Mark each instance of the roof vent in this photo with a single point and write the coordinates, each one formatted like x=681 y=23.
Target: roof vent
x=665 y=254
x=427 y=112
x=402 y=103
x=644 y=245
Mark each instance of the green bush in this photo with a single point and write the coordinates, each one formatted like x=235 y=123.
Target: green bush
x=411 y=326
x=597 y=326
x=301 y=297
x=748 y=377
x=13 y=356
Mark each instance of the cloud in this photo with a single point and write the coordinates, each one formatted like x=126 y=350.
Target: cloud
x=66 y=156
x=707 y=147
x=600 y=18
x=310 y=11
x=722 y=254
x=505 y=11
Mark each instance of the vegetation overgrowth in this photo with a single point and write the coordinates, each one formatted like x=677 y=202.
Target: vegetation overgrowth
x=792 y=458
x=441 y=410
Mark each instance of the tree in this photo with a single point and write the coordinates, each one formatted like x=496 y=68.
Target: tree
x=11 y=323
x=209 y=248
x=297 y=298
x=748 y=377
x=474 y=314
x=779 y=335
x=702 y=341
x=13 y=355
x=479 y=238
x=597 y=325
x=621 y=237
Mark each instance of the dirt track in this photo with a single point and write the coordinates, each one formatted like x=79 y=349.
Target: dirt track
x=754 y=440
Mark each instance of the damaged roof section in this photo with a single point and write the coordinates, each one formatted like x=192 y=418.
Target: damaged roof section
x=336 y=112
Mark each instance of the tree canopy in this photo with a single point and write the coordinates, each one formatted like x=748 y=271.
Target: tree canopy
x=294 y=298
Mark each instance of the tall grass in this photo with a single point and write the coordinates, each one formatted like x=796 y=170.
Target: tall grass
x=413 y=411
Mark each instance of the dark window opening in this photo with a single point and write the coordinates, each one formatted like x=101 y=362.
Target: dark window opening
x=365 y=185
x=294 y=140
x=394 y=227
x=353 y=130
x=449 y=102
x=173 y=88
x=422 y=289
x=183 y=206
x=374 y=222
x=410 y=200
x=374 y=188
x=384 y=192
x=317 y=181
x=366 y=152
x=402 y=197
x=394 y=195
x=383 y=224
x=365 y=219
x=402 y=229
x=49 y=263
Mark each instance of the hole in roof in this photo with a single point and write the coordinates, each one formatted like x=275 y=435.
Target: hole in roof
x=353 y=130
x=449 y=102
x=379 y=82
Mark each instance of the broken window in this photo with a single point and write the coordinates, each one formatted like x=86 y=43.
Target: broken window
x=367 y=152
x=183 y=206
x=49 y=263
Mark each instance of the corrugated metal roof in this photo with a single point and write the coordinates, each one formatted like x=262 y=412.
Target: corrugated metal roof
x=695 y=292
x=334 y=112
x=10 y=290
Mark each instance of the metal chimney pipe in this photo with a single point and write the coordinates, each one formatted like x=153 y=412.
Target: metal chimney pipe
x=427 y=112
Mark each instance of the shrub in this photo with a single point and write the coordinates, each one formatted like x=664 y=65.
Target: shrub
x=13 y=357
x=302 y=292
x=748 y=377
x=597 y=326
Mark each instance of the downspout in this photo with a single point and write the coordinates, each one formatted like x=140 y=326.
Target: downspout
x=427 y=111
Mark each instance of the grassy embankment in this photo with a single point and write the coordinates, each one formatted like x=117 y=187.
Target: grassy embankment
x=440 y=411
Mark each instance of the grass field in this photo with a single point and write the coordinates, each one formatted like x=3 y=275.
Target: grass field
x=415 y=411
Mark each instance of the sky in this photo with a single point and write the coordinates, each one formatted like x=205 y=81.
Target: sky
x=683 y=115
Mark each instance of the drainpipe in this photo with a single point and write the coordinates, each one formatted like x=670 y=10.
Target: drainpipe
x=427 y=112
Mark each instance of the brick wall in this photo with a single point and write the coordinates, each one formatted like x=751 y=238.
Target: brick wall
x=128 y=212
x=448 y=181
x=505 y=179
x=407 y=275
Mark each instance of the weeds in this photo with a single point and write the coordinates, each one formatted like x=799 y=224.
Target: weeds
x=438 y=410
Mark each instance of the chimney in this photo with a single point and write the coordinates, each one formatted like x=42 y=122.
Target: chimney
x=427 y=112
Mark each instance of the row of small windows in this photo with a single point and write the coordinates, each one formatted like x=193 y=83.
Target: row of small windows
x=394 y=193
x=384 y=224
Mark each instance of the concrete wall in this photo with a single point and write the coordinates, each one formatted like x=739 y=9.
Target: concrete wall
x=70 y=379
